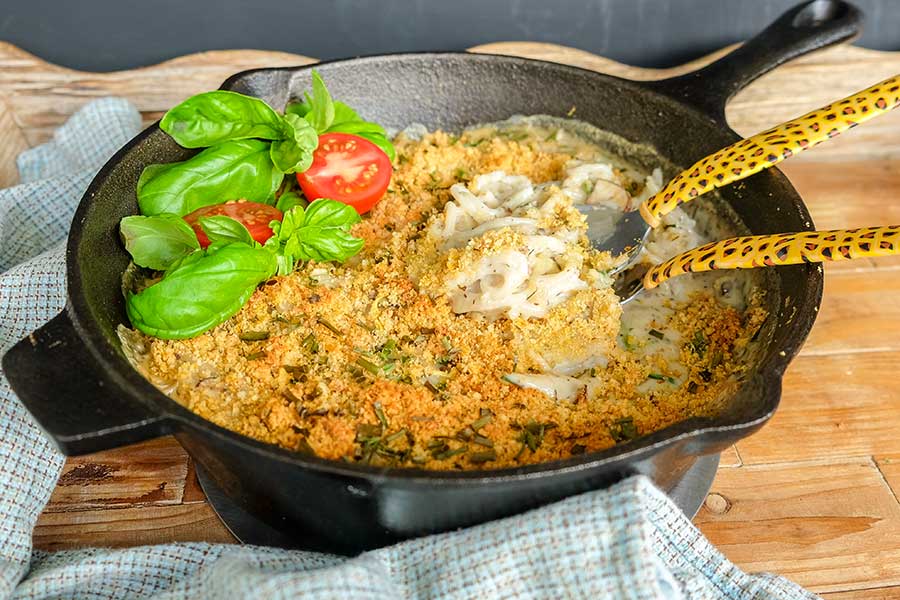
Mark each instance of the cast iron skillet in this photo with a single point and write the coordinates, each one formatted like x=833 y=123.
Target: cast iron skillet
x=75 y=381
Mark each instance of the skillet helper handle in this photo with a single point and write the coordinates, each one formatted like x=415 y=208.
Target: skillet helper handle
x=76 y=405
x=780 y=249
x=763 y=150
x=801 y=30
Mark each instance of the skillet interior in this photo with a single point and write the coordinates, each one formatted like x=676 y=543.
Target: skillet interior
x=452 y=91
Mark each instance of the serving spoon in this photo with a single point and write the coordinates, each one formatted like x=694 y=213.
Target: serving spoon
x=624 y=234
x=756 y=251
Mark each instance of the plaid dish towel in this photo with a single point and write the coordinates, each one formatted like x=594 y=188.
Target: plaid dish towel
x=629 y=541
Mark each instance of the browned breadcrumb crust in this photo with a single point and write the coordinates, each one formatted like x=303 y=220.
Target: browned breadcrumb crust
x=328 y=359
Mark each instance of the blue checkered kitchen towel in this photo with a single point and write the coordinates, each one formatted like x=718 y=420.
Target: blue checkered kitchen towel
x=629 y=541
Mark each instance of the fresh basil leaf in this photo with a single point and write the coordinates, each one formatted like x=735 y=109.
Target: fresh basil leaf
x=294 y=154
x=345 y=114
x=320 y=233
x=301 y=108
x=321 y=112
x=326 y=214
x=227 y=171
x=157 y=242
x=323 y=233
x=289 y=200
x=219 y=228
x=214 y=117
x=200 y=294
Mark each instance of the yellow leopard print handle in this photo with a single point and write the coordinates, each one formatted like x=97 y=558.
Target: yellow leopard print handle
x=780 y=249
x=770 y=147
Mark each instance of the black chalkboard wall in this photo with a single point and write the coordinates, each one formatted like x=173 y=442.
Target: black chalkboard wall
x=105 y=35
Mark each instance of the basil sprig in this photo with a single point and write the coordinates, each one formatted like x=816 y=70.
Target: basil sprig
x=333 y=116
x=320 y=232
x=202 y=288
x=249 y=148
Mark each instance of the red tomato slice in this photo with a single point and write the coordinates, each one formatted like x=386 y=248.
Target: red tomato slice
x=349 y=169
x=255 y=216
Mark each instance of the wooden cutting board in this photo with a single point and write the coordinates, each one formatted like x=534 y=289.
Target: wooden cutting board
x=813 y=496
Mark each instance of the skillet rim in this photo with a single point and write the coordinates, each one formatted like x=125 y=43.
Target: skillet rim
x=138 y=389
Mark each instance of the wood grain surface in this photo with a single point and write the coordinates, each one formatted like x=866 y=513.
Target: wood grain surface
x=813 y=496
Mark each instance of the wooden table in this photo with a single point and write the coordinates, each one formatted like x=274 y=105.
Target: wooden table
x=813 y=496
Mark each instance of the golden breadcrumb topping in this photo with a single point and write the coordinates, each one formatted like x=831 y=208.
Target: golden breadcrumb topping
x=367 y=362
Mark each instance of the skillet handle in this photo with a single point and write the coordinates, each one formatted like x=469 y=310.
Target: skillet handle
x=79 y=408
x=803 y=29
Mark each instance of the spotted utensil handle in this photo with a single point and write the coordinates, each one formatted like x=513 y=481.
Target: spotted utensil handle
x=780 y=249
x=766 y=149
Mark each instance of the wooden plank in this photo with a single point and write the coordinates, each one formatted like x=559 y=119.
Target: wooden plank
x=889 y=465
x=832 y=406
x=730 y=458
x=42 y=96
x=855 y=194
x=829 y=527
x=886 y=593
x=860 y=312
x=13 y=142
x=129 y=527
x=148 y=474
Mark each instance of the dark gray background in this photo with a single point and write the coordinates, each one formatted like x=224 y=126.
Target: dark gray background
x=104 y=35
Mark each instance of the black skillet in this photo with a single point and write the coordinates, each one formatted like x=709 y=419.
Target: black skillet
x=73 y=378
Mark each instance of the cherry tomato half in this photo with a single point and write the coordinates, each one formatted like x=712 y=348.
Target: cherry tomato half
x=349 y=169
x=255 y=216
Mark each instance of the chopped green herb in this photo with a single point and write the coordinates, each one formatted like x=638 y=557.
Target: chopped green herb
x=482 y=456
x=254 y=336
x=435 y=389
x=515 y=136
x=532 y=435
x=451 y=452
x=396 y=435
x=474 y=143
x=368 y=366
x=692 y=387
x=461 y=174
x=660 y=377
x=380 y=414
x=624 y=430
x=482 y=441
x=329 y=326
x=310 y=344
x=552 y=136
x=657 y=334
x=465 y=434
x=290 y=396
x=699 y=343
x=481 y=421
x=294 y=370
x=578 y=449
x=255 y=356
x=588 y=187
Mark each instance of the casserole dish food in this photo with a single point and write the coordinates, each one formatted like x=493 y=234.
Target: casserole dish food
x=346 y=507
